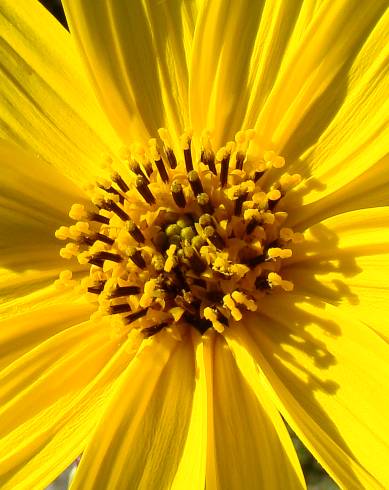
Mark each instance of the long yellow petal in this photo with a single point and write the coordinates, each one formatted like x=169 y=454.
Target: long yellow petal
x=344 y=261
x=25 y=326
x=65 y=383
x=252 y=448
x=141 y=437
x=192 y=466
x=314 y=75
x=328 y=374
x=46 y=104
x=137 y=54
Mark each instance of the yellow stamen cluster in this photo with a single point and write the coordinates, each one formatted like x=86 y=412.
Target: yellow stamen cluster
x=174 y=237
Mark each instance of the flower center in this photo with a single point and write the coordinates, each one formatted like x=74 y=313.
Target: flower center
x=182 y=238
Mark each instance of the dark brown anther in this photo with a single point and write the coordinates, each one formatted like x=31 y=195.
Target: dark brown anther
x=200 y=324
x=214 y=237
x=120 y=182
x=97 y=288
x=195 y=182
x=197 y=264
x=154 y=329
x=257 y=176
x=239 y=203
x=199 y=282
x=178 y=194
x=108 y=256
x=112 y=206
x=161 y=241
x=103 y=238
x=135 y=167
x=100 y=219
x=136 y=315
x=224 y=169
x=215 y=296
x=205 y=204
x=136 y=257
x=208 y=157
x=171 y=157
x=262 y=283
x=162 y=170
x=251 y=226
x=188 y=159
x=96 y=262
x=115 y=309
x=239 y=160
x=124 y=291
x=135 y=232
x=254 y=261
x=149 y=168
x=144 y=191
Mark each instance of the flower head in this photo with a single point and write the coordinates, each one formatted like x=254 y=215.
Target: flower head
x=219 y=183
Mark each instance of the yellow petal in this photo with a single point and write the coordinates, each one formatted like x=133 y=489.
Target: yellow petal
x=344 y=261
x=136 y=55
x=46 y=104
x=25 y=324
x=250 y=444
x=191 y=470
x=328 y=373
x=51 y=399
x=33 y=204
x=314 y=76
x=140 y=439
x=370 y=189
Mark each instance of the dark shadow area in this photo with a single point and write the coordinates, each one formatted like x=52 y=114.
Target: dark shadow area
x=55 y=8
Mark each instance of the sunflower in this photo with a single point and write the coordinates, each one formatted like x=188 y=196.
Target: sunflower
x=217 y=173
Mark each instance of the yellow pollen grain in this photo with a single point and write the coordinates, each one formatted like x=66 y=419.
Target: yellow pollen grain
x=230 y=304
x=277 y=252
x=211 y=315
x=241 y=298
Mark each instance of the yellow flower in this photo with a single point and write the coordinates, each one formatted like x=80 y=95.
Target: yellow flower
x=225 y=165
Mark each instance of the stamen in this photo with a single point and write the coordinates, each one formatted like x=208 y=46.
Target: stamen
x=144 y=191
x=136 y=257
x=178 y=194
x=135 y=232
x=206 y=252
x=124 y=291
x=195 y=182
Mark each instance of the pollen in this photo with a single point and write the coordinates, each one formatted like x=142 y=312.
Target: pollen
x=179 y=234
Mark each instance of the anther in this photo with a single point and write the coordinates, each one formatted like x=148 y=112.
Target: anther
x=154 y=329
x=195 y=182
x=205 y=203
x=135 y=167
x=136 y=315
x=97 y=288
x=262 y=283
x=223 y=156
x=120 y=182
x=214 y=237
x=162 y=170
x=124 y=291
x=239 y=203
x=135 y=232
x=136 y=256
x=112 y=206
x=178 y=194
x=108 y=256
x=196 y=263
x=186 y=144
x=115 y=309
x=239 y=160
x=100 y=219
x=251 y=226
x=144 y=191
